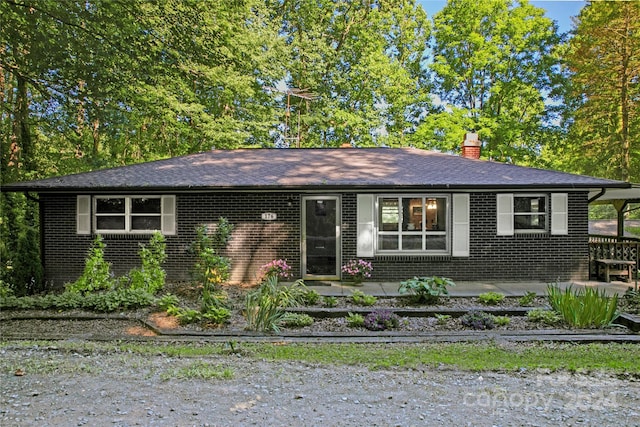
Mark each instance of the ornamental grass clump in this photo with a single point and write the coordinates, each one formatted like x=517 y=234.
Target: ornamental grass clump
x=583 y=308
x=381 y=320
x=265 y=307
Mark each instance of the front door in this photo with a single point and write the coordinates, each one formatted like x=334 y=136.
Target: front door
x=321 y=237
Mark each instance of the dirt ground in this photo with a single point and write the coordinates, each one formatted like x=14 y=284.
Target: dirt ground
x=43 y=385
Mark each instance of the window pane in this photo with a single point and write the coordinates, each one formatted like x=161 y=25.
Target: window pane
x=145 y=205
x=145 y=223
x=109 y=205
x=436 y=243
x=530 y=222
x=412 y=214
x=436 y=214
x=389 y=214
x=532 y=204
x=412 y=243
x=110 y=222
x=388 y=243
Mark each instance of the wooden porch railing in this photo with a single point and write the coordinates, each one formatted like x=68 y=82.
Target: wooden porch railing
x=612 y=247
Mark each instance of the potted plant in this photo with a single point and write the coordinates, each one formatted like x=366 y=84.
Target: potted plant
x=356 y=270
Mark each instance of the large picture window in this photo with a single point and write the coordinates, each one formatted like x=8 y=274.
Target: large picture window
x=413 y=224
x=128 y=214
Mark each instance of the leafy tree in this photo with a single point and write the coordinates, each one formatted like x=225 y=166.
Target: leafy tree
x=603 y=59
x=360 y=66
x=493 y=67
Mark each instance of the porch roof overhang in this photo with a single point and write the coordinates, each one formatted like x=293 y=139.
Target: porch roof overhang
x=615 y=195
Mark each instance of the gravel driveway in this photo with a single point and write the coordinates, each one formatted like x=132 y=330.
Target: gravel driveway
x=116 y=388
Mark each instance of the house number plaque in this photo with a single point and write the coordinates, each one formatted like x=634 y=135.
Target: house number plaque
x=269 y=216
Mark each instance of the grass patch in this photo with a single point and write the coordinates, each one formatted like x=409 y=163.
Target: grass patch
x=485 y=356
x=198 y=370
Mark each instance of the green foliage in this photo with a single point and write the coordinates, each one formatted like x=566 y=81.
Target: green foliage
x=426 y=290
x=96 y=275
x=264 y=307
x=329 y=301
x=310 y=297
x=187 y=315
x=166 y=301
x=355 y=320
x=360 y=298
x=602 y=95
x=493 y=64
x=544 y=316
x=151 y=276
x=477 y=320
x=491 y=298
x=501 y=320
x=211 y=269
x=442 y=319
x=527 y=299
x=109 y=301
x=216 y=315
x=583 y=308
x=295 y=320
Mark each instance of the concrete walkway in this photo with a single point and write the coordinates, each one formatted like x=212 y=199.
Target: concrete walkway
x=468 y=289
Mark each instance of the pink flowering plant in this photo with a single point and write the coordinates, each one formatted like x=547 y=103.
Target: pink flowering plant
x=358 y=269
x=278 y=268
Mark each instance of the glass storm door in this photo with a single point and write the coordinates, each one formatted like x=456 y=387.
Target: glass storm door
x=321 y=237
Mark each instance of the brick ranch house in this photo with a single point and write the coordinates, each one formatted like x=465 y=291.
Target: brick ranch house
x=409 y=211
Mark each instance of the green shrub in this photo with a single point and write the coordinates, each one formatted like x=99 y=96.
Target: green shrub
x=329 y=301
x=96 y=275
x=501 y=320
x=310 y=297
x=295 y=320
x=426 y=290
x=265 y=306
x=527 y=299
x=491 y=298
x=355 y=320
x=360 y=298
x=150 y=276
x=119 y=299
x=212 y=269
x=477 y=320
x=442 y=319
x=583 y=308
x=166 y=301
x=188 y=315
x=544 y=316
x=217 y=315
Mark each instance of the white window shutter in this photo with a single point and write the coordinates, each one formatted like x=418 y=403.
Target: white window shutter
x=504 y=207
x=168 y=215
x=83 y=215
x=560 y=213
x=461 y=216
x=365 y=220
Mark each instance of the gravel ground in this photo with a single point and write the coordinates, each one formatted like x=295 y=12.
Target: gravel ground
x=114 y=388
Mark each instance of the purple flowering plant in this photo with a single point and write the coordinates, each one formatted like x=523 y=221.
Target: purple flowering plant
x=278 y=268
x=381 y=320
x=358 y=269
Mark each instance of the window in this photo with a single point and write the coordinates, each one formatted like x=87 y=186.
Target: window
x=126 y=214
x=529 y=213
x=532 y=213
x=413 y=224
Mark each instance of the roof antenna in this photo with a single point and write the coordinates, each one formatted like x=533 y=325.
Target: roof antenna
x=304 y=95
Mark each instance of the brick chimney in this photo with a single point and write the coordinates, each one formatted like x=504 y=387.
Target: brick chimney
x=471 y=146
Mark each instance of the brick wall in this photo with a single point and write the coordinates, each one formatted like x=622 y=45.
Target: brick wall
x=519 y=257
x=256 y=242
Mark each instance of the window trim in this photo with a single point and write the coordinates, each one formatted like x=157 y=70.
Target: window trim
x=447 y=233
x=128 y=214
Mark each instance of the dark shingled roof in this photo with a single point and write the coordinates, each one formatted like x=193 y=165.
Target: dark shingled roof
x=264 y=169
